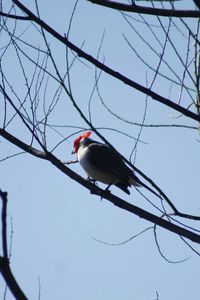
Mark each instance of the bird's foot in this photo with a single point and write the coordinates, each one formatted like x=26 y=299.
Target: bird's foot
x=92 y=180
x=106 y=190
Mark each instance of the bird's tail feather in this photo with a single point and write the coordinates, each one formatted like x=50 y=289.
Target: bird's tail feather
x=134 y=181
x=123 y=187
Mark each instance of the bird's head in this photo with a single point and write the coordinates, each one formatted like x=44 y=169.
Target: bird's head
x=78 y=139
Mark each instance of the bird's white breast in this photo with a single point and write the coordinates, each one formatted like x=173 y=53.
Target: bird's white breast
x=84 y=161
x=91 y=169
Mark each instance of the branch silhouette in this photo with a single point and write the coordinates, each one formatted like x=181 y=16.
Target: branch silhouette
x=105 y=68
x=4 y=260
x=100 y=192
x=149 y=10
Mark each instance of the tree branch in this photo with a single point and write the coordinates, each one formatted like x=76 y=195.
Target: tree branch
x=4 y=261
x=197 y=2
x=103 y=193
x=149 y=10
x=11 y=138
x=105 y=68
x=10 y=280
x=15 y=17
x=3 y=196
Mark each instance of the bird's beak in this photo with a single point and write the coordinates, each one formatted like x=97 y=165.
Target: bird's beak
x=73 y=151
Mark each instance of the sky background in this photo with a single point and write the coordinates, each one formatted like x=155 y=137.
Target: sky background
x=56 y=222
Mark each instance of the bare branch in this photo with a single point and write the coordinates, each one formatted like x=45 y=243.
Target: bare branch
x=107 y=69
x=125 y=241
x=21 y=144
x=69 y=162
x=161 y=253
x=15 y=17
x=4 y=261
x=148 y=10
x=197 y=2
x=3 y=196
x=10 y=279
x=105 y=194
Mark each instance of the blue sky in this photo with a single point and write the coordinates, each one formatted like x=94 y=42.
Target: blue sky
x=55 y=220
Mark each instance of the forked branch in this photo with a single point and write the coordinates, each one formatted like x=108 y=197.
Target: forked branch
x=4 y=260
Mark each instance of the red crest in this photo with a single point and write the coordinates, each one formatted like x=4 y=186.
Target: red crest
x=77 y=140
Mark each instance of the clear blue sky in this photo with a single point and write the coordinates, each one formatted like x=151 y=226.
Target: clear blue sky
x=55 y=220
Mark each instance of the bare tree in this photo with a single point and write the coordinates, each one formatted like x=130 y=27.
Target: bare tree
x=28 y=116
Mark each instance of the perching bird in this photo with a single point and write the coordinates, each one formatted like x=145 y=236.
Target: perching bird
x=103 y=163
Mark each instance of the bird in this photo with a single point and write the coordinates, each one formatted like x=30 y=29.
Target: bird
x=103 y=163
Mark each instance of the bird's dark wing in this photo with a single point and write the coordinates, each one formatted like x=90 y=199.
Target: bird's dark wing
x=108 y=160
